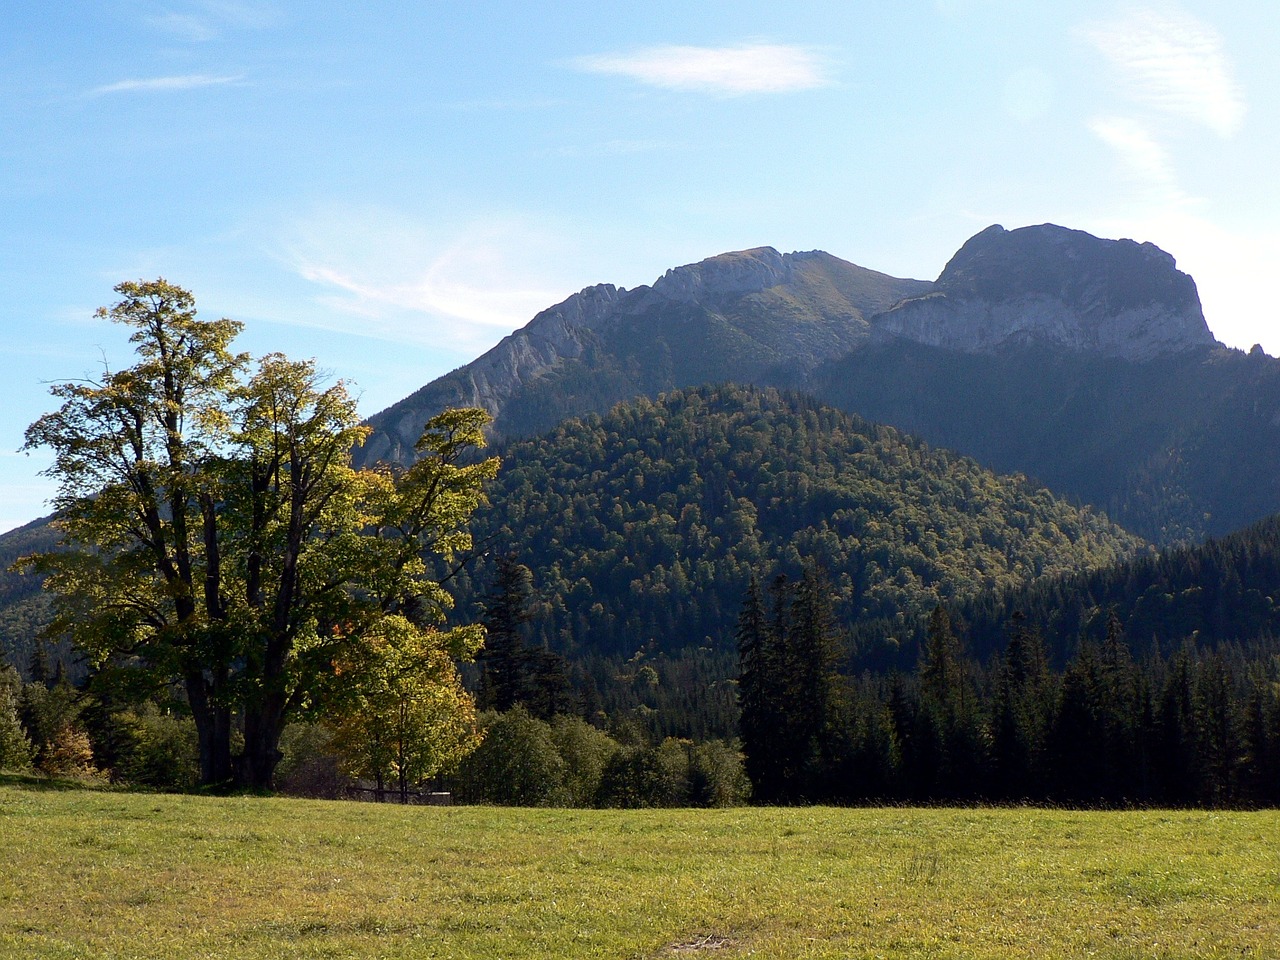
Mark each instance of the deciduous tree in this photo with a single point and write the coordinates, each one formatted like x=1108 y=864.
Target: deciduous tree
x=216 y=535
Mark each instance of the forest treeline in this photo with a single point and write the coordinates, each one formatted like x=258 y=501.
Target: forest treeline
x=1197 y=727
x=521 y=757
x=909 y=628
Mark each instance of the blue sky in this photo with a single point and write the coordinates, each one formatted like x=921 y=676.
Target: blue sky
x=391 y=188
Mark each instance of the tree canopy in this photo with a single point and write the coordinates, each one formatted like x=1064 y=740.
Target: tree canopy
x=216 y=536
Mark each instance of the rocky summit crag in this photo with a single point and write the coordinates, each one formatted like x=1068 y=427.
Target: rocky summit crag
x=1052 y=285
x=761 y=317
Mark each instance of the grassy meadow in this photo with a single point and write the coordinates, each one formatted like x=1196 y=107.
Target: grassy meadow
x=116 y=875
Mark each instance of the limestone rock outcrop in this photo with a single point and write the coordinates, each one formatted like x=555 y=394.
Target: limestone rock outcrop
x=1053 y=285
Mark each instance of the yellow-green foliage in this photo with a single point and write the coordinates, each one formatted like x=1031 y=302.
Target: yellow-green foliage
x=89 y=874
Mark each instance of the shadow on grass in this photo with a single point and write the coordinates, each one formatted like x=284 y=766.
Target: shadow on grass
x=34 y=781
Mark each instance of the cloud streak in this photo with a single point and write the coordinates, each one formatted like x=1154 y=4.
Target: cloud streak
x=410 y=284
x=1174 y=63
x=723 y=71
x=190 y=81
x=1144 y=157
x=209 y=19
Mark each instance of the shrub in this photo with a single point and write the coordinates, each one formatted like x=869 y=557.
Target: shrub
x=155 y=748
x=717 y=777
x=15 y=745
x=517 y=764
x=69 y=754
x=586 y=751
x=648 y=776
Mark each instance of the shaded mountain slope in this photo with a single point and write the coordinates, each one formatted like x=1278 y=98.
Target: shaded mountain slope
x=1175 y=448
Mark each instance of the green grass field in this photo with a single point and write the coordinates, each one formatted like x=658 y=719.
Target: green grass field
x=116 y=875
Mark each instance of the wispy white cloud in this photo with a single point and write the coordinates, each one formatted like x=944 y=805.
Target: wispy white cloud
x=727 y=70
x=1142 y=155
x=208 y=19
x=404 y=282
x=189 y=81
x=1173 y=62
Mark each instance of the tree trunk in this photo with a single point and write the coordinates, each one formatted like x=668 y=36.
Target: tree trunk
x=263 y=724
x=213 y=732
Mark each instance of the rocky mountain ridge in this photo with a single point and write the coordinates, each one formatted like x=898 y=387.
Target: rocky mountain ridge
x=760 y=316
x=753 y=302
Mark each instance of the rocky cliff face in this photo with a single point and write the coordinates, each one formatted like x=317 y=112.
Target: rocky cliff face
x=742 y=272
x=1053 y=285
x=547 y=341
x=552 y=337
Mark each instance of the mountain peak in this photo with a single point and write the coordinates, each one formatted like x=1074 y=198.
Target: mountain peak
x=1047 y=283
x=738 y=272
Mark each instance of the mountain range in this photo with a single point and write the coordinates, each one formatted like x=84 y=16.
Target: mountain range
x=1083 y=363
x=1045 y=354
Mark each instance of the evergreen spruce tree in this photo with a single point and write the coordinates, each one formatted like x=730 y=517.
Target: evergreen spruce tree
x=15 y=746
x=1260 y=726
x=1074 y=734
x=1021 y=710
x=514 y=671
x=1118 y=701
x=1174 y=752
x=1218 y=741
x=951 y=760
x=759 y=699
x=39 y=668
x=814 y=696
x=505 y=661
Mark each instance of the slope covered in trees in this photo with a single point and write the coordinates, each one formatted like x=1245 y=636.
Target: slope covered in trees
x=24 y=608
x=1225 y=591
x=643 y=527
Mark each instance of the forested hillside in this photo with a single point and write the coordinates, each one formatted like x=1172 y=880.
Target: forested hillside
x=1225 y=591
x=646 y=524
x=644 y=527
x=24 y=608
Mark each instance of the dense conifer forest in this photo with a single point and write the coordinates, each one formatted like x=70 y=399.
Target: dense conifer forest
x=1196 y=727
